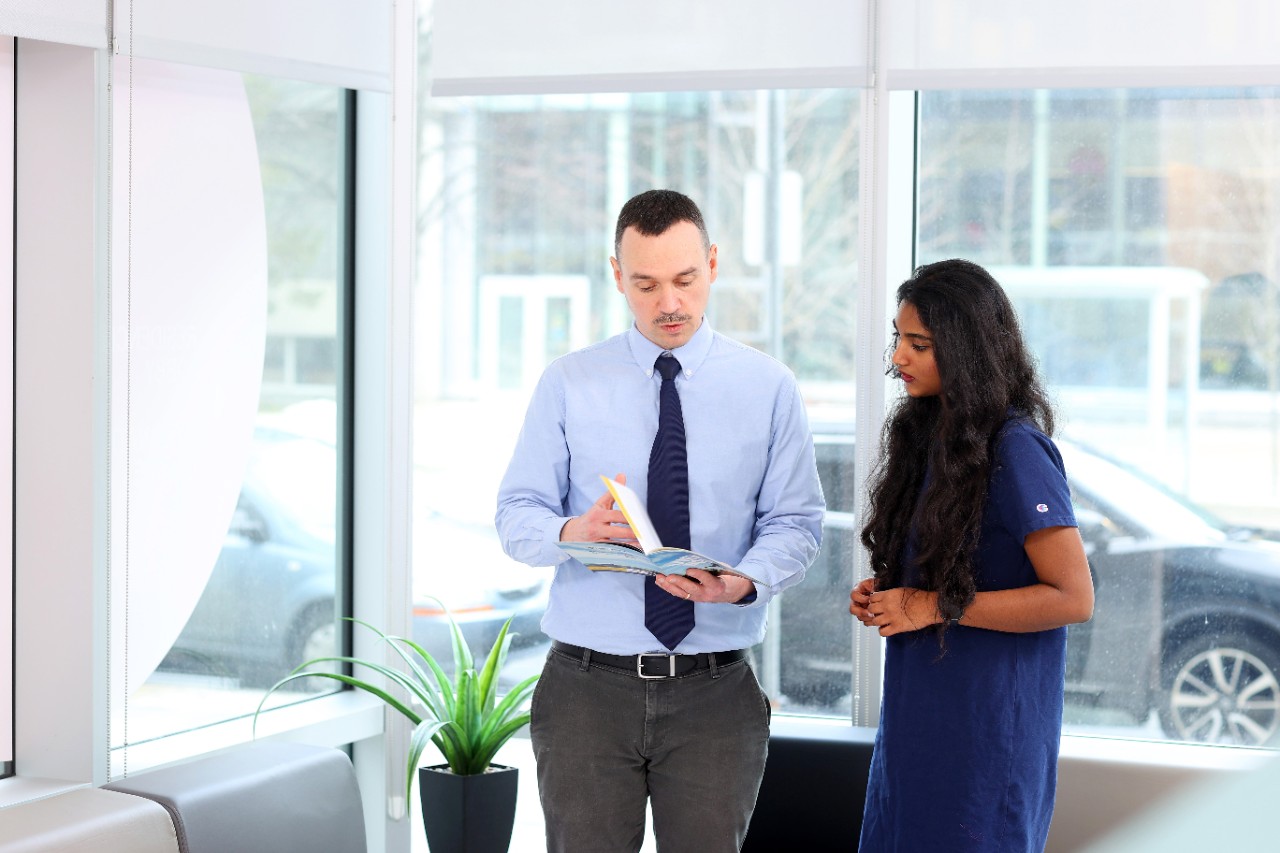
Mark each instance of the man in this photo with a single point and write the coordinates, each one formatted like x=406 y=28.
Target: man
x=672 y=711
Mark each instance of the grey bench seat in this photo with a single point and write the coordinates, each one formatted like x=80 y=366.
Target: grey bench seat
x=268 y=797
x=87 y=820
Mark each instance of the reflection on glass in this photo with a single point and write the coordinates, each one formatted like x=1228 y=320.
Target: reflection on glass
x=270 y=597
x=317 y=362
x=557 y=333
x=1139 y=230
x=270 y=600
x=517 y=204
x=511 y=341
x=1102 y=343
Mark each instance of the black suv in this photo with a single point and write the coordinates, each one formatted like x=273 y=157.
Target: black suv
x=1186 y=621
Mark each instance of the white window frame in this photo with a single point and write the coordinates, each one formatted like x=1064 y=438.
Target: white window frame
x=6 y=398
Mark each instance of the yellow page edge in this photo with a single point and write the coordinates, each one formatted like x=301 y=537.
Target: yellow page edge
x=613 y=486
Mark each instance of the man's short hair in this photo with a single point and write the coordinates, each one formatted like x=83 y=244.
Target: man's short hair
x=654 y=211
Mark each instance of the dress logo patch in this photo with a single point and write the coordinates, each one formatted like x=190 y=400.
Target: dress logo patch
x=1042 y=507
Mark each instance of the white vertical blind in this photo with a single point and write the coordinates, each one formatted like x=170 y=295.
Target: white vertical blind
x=1035 y=43
x=489 y=47
x=77 y=22
x=497 y=47
x=335 y=42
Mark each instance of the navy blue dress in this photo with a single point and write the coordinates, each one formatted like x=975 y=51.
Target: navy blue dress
x=966 y=755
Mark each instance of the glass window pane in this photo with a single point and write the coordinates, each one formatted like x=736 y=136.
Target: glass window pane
x=518 y=199
x=275 y=579
x=1135 y=230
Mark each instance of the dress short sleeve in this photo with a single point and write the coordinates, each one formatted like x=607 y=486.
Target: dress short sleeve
x=1029 y=482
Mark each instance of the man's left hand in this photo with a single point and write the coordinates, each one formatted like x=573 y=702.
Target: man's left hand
x=706 y=587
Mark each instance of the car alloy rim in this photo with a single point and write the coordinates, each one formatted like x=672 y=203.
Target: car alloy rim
x=1226 y=696
x=321 y=642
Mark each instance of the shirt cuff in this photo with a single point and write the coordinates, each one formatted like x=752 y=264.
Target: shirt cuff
x=758 y=597
x=551 y=528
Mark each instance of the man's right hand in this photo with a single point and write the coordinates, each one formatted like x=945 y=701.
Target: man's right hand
x=601 y=523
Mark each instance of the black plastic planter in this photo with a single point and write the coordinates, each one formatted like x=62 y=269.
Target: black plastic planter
x=468 y=814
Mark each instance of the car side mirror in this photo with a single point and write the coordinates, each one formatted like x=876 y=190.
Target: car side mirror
x=247 y=525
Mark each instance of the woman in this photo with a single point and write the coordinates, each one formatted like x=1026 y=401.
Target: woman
x=978 y=567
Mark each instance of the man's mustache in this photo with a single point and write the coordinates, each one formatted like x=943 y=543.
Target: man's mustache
x=670 y=319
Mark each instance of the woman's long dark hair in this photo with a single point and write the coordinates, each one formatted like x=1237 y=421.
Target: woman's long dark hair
x=986 y=373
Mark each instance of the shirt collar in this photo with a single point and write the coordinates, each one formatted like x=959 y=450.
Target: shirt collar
x=691 y=355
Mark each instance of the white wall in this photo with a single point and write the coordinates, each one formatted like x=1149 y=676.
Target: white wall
x=1103 y=784
x=60 y=429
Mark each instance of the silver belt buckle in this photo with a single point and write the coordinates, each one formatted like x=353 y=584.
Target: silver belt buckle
x=671 y=660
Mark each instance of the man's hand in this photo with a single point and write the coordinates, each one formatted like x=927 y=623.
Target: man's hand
x=601 y=523
x=706 y=587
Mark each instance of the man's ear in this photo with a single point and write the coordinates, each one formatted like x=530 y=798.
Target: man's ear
x=713 y=264
x=617 y=273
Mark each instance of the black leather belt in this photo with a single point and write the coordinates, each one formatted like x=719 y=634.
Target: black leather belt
x=655 y=665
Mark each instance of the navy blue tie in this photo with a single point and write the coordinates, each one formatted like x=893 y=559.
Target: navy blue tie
x=668 y=618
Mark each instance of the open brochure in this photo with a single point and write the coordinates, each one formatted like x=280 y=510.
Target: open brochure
x=650 y=557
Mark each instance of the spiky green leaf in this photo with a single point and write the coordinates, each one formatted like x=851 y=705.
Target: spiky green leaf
x=463 y=716
x=424 y=733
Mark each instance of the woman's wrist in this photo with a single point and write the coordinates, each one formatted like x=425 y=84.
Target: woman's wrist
x=940 y=619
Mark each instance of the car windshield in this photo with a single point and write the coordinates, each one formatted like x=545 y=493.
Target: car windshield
x=1149 y=504
x=300 y=476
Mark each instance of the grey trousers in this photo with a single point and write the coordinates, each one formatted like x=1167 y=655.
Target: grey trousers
x=605 y=740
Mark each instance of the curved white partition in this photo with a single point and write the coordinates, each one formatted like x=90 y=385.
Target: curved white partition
x=188 y=311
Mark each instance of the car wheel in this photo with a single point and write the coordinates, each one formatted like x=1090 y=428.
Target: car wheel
x=1222 y=689
x=315 y=637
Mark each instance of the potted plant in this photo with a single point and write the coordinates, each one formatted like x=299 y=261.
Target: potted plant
x=468 y=804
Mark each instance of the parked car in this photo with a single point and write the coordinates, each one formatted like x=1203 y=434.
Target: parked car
x=270 y=600
x=465 y=567
x=1186 y=622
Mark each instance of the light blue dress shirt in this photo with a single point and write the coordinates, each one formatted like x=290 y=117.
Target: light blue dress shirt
x=755 y=501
